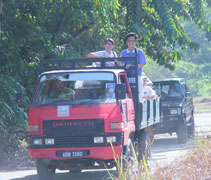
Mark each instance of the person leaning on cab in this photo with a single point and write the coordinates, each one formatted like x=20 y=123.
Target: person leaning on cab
x=109 y=44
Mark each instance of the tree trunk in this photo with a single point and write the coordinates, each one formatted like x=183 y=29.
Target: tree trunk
x=1 y=7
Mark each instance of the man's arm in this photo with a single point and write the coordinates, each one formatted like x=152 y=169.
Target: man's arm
x=92 y=55
x=98 y=54
x=141 y=59
x=151 y=93
x=141 y=66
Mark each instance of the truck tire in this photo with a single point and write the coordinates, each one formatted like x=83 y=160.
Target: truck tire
x=145 y=148
x=43 y=171
x=191 y=128
x=182 y=132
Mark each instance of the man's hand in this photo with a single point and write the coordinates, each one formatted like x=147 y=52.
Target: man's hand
x=140 y=66
x=117 y=62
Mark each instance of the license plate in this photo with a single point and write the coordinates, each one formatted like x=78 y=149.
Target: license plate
x=173 y=111
x=68 y=154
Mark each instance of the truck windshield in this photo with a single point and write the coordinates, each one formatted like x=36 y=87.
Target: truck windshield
x=168 y=91
x=75 y=88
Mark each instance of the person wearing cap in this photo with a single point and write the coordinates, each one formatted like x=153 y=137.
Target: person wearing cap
x=109 y=44
x=146 y=91
x=149 y=83
x=131 y=41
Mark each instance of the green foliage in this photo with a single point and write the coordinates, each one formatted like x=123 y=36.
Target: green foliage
x=197 y=14
x=43 y=29
x=13 y=119
x=197 y=76
x=158 y=24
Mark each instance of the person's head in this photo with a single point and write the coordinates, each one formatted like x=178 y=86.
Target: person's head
x=149 y=83
x=60 y=84
x=131 y=40
x=144 y=79
x=109 y=44
x=172 y=87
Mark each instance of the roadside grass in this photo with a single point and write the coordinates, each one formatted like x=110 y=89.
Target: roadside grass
x=195 y=165
x=202 y=104
x=129 y=169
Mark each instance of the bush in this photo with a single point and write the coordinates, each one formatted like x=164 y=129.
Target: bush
x=12 y=118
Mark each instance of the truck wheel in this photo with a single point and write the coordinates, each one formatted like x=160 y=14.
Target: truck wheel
x=44 y=172
x=182 y=132
x=144 y=144
x=191 y=129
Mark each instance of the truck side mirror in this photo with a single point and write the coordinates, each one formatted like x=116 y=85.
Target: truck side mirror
x=120 y=91
x=20 y=99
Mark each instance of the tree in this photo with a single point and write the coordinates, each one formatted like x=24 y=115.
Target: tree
x=1 y=5
x=42 y=29
x=159 y=24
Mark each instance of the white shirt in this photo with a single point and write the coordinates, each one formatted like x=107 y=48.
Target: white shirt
x=104 y=53
x=146 y=91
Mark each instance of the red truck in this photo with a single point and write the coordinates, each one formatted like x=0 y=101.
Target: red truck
x=77 y=111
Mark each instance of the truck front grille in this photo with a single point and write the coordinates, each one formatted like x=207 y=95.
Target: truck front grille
x=74 y=133
x=73 y=127
x=76 y=141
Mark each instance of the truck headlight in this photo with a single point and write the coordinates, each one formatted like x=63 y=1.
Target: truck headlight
x=175 y=111
x=117 y=125
x=37 y=141
x=111 y=139
x=49 y=141
x=98 y=139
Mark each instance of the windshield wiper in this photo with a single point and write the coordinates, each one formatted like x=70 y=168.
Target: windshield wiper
x=83 y=102
x=54 y=102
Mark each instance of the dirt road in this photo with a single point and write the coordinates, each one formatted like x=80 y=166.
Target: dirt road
x=164 y=150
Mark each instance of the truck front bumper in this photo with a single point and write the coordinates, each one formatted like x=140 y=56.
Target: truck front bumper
x=103 y=153
x=169 y=124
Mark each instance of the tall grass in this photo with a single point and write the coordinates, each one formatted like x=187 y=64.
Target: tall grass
x=130 y=169
x=195 y=165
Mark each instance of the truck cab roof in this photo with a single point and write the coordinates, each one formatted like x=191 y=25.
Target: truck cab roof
x=115 y=71
x=168 y=80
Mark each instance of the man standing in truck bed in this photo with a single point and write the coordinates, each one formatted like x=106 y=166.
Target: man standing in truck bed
x=131 y=40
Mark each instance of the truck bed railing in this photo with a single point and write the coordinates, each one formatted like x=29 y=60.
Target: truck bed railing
x=87 y=63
